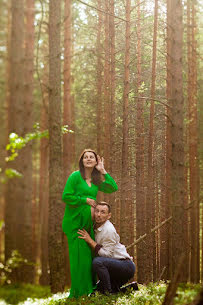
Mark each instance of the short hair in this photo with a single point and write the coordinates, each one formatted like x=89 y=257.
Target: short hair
x=105 y=204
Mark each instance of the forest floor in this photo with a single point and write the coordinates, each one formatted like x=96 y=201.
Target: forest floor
x=152 y=294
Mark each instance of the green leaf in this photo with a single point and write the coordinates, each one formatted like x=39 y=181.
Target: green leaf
x=11 y=173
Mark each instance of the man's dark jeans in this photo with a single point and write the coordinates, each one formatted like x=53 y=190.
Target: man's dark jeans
x=112 y=273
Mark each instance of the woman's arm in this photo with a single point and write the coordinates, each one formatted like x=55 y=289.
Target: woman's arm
x=69 y=195
x=108 y=185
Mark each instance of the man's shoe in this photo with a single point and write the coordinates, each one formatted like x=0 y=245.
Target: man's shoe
x=130 y=287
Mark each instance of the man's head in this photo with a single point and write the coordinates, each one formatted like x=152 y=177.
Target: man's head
x=102 y=213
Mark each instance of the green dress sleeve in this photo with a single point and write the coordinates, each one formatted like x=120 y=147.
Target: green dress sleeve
x=70 y=195
x=109 y=185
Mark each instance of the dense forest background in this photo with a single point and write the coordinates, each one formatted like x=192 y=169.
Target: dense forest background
x=124 y=78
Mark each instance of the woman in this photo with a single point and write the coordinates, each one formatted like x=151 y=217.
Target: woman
x=79 y=195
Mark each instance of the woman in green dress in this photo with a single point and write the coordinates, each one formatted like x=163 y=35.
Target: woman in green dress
x=80 y=197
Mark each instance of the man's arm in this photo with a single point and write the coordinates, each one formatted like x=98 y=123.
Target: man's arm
x=107 y=247
x=84 y=235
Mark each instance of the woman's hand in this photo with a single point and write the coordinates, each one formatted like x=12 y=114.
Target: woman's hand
x=91 y=202
x=100 y=165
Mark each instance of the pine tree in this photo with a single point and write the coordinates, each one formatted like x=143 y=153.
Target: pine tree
x=56 y=208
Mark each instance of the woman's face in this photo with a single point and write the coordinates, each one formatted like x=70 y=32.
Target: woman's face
x=89 y=159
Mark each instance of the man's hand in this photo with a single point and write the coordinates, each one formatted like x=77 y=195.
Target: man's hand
x=84 y=235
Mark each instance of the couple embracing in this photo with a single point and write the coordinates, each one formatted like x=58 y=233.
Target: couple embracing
x=95 y=251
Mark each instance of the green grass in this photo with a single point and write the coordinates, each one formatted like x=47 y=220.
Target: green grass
x=153 y=294
x=14 y=294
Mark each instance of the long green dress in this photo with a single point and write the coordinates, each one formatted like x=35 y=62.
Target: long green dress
x=78 y=216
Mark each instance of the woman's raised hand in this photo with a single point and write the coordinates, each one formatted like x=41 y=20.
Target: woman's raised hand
x=91 y=202
x=100 y=165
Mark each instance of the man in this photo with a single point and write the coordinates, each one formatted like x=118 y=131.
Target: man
x=113 y=265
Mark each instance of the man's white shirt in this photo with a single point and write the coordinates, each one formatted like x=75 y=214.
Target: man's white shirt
x=107 y=236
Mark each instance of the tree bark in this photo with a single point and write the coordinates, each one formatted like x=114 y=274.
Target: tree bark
x=165 y=233
x=99 y=80
x=140 y=179
x=177 y=173
x=193 y=147
x=150 y=196
x=56 y=208
x=126 y=194
x=16 y=235
x=68 y=105
x=107 y=108
x=43 y=195
x=26 y=155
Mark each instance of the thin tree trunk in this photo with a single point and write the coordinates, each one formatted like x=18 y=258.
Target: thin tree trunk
x=193 y=148
x=43 y=195
x=99 y=80
x=56 y=208
x=165 y=233
x=107 y=108
x=68 y=109
x=5 y=9
x=35 y=215
x=125 y=177
x=113 y=161
x=68 y=138
x=140 y=191
x=150 y=200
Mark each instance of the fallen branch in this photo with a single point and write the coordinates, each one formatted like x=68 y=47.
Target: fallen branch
x=152 y=230
x=162 y=272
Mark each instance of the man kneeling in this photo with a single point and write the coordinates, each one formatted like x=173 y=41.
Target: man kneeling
x=113 y=265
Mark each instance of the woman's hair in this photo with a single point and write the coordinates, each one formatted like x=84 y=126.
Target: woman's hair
x=96 y=176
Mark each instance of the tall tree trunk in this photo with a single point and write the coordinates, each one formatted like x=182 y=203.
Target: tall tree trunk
x=113 y=161
x=68 y=106
x=177 y=177
x=125 y=221
x=4 y=67
x=15 y=195
x=163 y=234
x=165 y=231
x=112 y=83
x=140 y=191
x=99 y=79
x=107 y=107
x=150 y=200
x=68 y=138
x=29 y=246
x=35 y=215
x=193 y=146
x=43 y=195
x=56 y=208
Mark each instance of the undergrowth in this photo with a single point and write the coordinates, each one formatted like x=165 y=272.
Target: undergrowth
x=153 y=294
